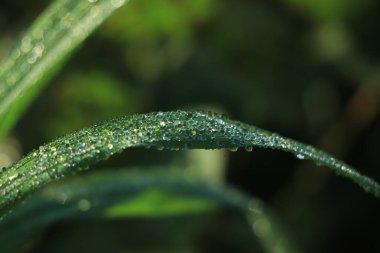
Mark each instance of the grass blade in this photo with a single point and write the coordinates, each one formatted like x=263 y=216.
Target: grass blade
x=100 y=193
x=49 y=41
x=170 y=130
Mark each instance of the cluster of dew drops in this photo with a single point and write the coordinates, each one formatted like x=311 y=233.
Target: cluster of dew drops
x=162 y=130
x=169 y=130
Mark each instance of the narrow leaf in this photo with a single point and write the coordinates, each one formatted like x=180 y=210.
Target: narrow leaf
x=170 y=130
x=48 y=42
x=100 y=193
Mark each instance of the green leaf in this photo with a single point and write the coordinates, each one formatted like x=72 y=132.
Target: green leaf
x=157 y=202
x=102 y=194
x=169 y=130
x=41 y=52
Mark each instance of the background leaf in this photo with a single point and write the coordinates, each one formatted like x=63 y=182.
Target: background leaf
x=98 y=194
x=43 y=49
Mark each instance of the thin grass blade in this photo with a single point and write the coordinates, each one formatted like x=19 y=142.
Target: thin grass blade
x=43 y=49
x=162 y=130
x=100 y=194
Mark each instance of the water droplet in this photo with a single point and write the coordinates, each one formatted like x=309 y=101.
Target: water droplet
x=248 y=149
x=117 y=3
x=233 y=149
x=11 y=80
x=162 y=123
x=110 y=146
x=66 y=19
x=26 y=44
x=300 y=156
x=36 y=53
x=95 y=12
x=14 y=176
x=39 y=34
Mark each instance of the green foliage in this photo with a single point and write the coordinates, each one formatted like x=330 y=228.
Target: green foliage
x=124 y=194
x=41 y=52
x=162 y=130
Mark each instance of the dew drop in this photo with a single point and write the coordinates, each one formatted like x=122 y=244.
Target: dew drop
x=11 y=80
x=233 y=149
x=26 y=44
x=110 y=146
x=248 y=149
x=300 y=156
x=36 y=53
x=95 y=12
x=39 y=34
x=13 y=177
x=66 y=20
x=117 y=3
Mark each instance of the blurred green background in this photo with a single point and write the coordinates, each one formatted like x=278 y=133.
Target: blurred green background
x=309 y=70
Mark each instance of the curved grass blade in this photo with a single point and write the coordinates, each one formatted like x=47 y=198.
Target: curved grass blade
x=48 y=42
x=103 y=193
x=170 y=130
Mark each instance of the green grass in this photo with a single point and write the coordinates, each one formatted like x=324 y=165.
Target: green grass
x=43 y=50
x=110 y=195
x=163 y=130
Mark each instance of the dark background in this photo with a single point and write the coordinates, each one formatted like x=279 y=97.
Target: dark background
x=309 y=70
